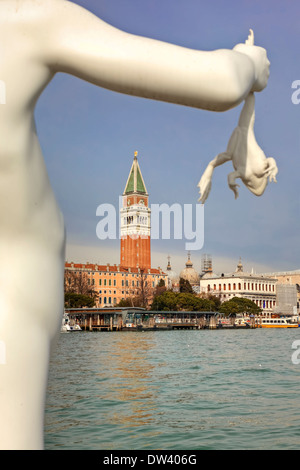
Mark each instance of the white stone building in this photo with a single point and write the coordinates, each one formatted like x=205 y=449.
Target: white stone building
x=258 y=288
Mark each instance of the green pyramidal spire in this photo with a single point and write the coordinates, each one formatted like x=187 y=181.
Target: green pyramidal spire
x=135 y=182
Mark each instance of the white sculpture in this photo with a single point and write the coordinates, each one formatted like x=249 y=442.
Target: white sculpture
x=248 y=159
x=39 y=38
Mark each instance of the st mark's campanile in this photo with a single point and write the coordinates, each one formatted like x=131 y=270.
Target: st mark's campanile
x=135 y=218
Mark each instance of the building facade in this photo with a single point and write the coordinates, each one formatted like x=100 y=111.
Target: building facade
x=113 y=283
x=258 y=288
x=288 y=278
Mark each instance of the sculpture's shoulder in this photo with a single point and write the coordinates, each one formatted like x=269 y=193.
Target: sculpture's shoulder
x=30 y=10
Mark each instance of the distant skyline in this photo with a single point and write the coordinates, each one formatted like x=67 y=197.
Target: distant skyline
x=89 y=135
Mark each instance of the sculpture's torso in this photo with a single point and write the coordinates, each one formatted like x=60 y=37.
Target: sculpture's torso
x=27 y=204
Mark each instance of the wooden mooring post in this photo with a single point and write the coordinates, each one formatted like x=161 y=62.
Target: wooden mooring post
x=212 y=323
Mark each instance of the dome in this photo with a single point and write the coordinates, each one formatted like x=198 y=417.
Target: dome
x=189 y=273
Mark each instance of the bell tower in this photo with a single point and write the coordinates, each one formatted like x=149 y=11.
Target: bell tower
x=135 y=215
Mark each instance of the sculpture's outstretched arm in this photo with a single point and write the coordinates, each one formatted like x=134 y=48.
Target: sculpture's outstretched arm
x=79 y=43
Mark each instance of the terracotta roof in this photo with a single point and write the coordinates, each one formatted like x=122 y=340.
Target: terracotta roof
x=110 y=268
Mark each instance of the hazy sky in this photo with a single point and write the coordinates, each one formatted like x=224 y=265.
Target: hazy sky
x=89 y=135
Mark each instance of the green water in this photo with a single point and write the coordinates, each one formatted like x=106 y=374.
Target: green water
x=167 y=390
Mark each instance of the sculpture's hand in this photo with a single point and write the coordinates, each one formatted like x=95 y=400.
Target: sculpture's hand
x=205 y=183
x=272 y=170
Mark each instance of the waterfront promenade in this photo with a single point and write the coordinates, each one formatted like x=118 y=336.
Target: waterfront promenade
x=130 y=319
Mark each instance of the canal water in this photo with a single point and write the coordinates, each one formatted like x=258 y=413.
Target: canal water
x=174 y=390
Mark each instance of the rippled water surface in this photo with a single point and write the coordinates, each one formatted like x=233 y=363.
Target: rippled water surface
x=166 y=390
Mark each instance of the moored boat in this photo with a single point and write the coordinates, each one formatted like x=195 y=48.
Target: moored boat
x=281 y=322
x=68 y=325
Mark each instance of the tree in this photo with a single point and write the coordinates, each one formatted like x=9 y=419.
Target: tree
x=165 y=301
x=128 y=302
x=78 y=283
x=184 y=301
x=215 y=301
x=185 y=286
x=73 y=300
x=240 y=305
x=160 y=288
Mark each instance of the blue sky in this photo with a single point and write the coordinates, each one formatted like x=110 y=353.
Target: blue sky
x=89 y=135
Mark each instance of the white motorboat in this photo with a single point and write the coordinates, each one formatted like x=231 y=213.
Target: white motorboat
x=69 y=325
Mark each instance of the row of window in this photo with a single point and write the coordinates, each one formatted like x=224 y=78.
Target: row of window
x=124 y=283
x=123 y=274
x=108 y=300
x=140 y=220
x=127 y=292
x=250 y=286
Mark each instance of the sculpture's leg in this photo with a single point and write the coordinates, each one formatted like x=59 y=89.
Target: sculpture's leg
x=23 y=388
x=232 y=184
x=31 y=309
x=205 y=181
